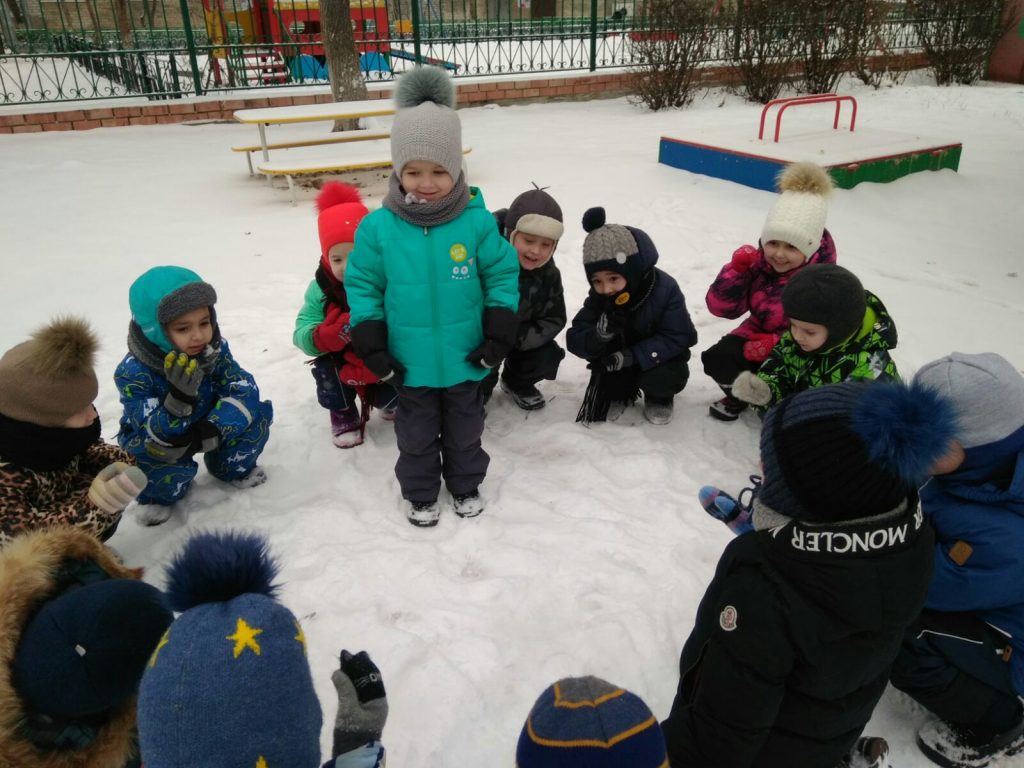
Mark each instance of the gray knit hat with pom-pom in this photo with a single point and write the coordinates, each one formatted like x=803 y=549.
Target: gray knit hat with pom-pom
x=426 y=126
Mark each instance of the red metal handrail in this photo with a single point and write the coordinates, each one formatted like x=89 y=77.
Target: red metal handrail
x=814 y=98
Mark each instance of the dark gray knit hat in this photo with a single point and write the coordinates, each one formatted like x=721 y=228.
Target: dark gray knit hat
x=426 y=126
x=826 y=294
x=627 y=251
x=535 y=212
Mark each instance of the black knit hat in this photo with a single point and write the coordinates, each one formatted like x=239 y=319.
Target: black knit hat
x=852 y=450
x=826 y=294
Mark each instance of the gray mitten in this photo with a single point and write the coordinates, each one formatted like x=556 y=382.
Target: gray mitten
x=362 y=702
x=184 y=377
x=601 y=328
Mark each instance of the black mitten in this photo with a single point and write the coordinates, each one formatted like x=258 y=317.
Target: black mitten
x=501 y=326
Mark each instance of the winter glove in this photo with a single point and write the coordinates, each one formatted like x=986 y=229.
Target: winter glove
x=616 y=361
x=205 y=437
x=184 y=377
x=751 y=388
x=362 y=703
x=758 y=346
x=370 y=341
x=743 y=258
x=501 y=326
x=334 y=333
x=602 y=330
x=178 y=447
x=116 y=486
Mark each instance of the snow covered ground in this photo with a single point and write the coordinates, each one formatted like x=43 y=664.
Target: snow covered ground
x=593 y=553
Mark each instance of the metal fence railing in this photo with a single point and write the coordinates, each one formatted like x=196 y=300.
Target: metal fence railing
x=62 y=50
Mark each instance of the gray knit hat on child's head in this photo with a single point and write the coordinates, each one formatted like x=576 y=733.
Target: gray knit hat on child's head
x=426 y=126
x=986 y=391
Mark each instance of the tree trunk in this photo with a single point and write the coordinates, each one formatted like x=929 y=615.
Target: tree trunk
x=124 y=23
x=16 y=13
x=342 y=56
x=97 y=30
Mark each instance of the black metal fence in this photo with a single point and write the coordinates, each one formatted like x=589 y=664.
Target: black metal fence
x=61 y=50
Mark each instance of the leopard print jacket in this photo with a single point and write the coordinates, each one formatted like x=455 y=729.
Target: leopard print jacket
x=30 y=500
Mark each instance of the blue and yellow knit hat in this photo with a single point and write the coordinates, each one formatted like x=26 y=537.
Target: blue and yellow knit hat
x=586 y=722
x=229 y=684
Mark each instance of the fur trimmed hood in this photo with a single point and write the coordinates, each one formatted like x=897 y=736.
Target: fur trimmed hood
x=27 y=569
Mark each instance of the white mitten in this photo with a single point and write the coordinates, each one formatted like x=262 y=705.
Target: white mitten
x=750 y=388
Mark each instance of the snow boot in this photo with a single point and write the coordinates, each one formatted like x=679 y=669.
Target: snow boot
x=615 y=410
x=735 y=513
x=657 y=411
x=346 y=427
x=868 y=752
x=424 y=514
x=953 y=746
x=728 y=408
x=529 y=399
x=258 y=476
x=468 y=504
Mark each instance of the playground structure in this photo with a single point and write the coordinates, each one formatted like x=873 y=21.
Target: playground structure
x=271 y=41
x=849 y=156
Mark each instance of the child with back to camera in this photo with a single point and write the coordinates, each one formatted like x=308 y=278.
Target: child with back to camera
x=793 y=236
x=323 y=329
x=183 y=393
x=433 y=290
x=533 y=225
x=633 y=328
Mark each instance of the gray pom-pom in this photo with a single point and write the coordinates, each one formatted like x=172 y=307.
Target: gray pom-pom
x=425 y=84
x=593 y=218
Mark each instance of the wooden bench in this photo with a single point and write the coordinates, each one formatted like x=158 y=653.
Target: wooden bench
x=343 y=137
x=290 y=169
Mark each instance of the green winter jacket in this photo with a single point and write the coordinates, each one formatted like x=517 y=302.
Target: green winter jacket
x=865 y=355
x=431 y=286
x=310 y=316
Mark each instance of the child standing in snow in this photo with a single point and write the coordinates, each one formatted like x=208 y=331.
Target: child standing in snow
x=837 y=332
x=322 y=328
x=793 y=641
x=55 y=468
x=230 y=684
x=633 y=328
x=533 y=225
x=183 y=393
x=793 y=236
x=432 y=287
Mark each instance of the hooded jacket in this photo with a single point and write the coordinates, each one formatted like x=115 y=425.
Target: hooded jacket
x=798 y=628
x=29 y=566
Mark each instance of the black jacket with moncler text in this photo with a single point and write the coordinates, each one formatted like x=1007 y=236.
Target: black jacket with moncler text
x=794 y=639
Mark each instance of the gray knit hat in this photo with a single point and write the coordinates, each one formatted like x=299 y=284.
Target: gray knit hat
x=986 y=390
x=426 y=126
x=829 y=295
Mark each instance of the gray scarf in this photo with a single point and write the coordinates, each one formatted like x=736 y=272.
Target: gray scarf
x=432 y=214
x=150 y=355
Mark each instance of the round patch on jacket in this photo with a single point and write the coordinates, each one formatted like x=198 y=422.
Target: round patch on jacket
x=728 y=619
x=458 y=253
x=622 y=298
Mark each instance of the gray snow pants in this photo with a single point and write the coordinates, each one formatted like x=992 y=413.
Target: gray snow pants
x=438 y=431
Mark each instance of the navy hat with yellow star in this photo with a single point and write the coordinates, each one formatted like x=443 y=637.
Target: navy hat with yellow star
x=228 y=684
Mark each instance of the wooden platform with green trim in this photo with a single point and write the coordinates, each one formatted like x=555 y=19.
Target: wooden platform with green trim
x=850 y=154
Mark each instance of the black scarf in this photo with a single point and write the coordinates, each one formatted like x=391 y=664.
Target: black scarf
x=432 y=214
x=44 y=449
x=151 y=356
x=333 y=288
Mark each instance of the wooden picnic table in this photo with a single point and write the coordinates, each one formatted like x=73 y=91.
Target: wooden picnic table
x=308 y=113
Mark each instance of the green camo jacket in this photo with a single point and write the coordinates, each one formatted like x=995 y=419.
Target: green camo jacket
x=865 y=355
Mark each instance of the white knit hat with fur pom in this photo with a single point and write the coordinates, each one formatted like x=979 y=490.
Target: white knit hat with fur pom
x=798 y=216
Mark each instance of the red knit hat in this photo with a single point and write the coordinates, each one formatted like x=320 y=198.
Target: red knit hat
x=341 y=209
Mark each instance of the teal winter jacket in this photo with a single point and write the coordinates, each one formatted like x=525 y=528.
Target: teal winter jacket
x=431 y=286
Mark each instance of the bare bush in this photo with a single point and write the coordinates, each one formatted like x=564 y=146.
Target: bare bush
x=958 y=36
x=765 y=46
x=830 y=33
x=670 y=41
x=875 y=60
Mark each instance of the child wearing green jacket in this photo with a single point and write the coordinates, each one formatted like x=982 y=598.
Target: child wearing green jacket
x=837 y=332
x=433 y=292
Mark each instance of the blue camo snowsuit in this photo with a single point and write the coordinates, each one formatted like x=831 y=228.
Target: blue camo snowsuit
x=228 y=398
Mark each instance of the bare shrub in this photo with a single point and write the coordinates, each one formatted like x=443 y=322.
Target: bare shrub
x=874 y=61
x=829 y=34
x=765 y=45
x=669 y=41
x=958 y=36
